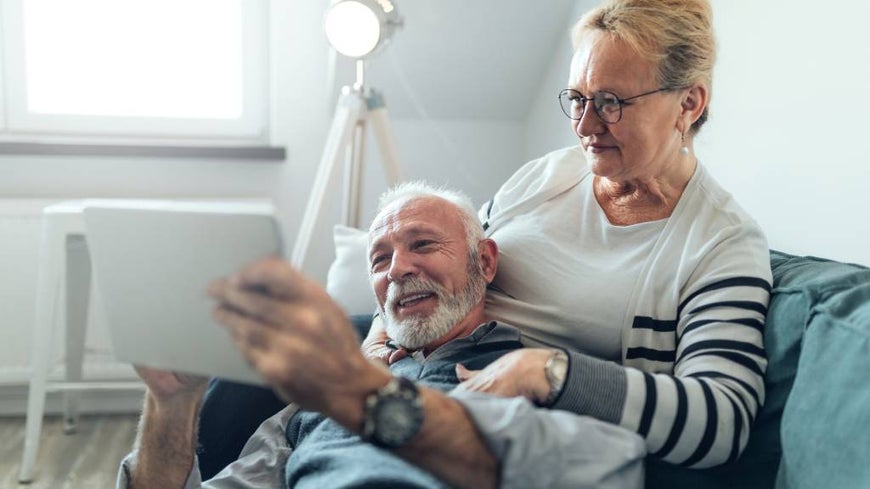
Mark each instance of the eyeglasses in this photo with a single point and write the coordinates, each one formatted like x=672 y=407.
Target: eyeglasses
x=607 y=105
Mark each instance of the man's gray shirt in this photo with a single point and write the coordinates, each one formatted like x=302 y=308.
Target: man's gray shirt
x=536 y=447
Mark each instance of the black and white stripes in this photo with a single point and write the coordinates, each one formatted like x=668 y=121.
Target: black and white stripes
x=714 y=369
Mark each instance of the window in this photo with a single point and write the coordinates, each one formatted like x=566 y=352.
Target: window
x=138 y=70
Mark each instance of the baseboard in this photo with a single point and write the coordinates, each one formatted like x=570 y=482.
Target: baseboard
x=13 y=401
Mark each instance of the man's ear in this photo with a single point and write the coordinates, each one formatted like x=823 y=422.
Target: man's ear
x=694 y=102
x=487 y=251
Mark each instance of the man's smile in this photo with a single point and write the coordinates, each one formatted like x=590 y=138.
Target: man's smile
x=410 y=303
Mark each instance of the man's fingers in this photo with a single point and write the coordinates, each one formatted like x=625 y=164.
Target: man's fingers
x=272 y=276
x=217 y=287
x=191 y=379
x=166 y=385
x=248 y=333
x=267 y=350
x=246 y=302
x=377 y=352
x=397 y=355
x=464 y=374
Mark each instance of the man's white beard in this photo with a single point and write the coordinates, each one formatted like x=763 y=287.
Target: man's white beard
x=417 y=331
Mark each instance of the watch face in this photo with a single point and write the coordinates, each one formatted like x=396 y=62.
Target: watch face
x=394 y=414
x=397 y=421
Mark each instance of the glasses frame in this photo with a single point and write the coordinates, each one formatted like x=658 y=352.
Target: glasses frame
x=621 y=102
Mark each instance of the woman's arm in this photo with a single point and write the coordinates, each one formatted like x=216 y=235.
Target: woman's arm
x=697 y=416
x=693 y=398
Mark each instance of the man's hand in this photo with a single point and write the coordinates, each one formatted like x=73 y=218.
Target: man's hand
x=519 y=373
x=172 y=387
x=298 y=338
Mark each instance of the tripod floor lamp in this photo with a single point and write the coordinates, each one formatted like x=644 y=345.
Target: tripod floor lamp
x=355 y=28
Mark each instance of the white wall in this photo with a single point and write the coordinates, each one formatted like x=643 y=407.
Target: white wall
x=474 y=156
x=788 y=128
x=789 y=131
x=547 y=128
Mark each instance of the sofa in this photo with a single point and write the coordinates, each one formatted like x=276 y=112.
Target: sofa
x=812 y=432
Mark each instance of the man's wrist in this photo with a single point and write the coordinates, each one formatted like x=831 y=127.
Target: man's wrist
x=347 y=406
x=165 y=446
x=176 y=407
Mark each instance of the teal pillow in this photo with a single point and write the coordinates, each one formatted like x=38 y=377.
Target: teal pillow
x=826 y=421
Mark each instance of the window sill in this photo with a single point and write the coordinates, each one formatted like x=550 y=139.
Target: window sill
x=258 y=153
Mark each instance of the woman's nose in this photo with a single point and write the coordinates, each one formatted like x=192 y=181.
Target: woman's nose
x=589 y=123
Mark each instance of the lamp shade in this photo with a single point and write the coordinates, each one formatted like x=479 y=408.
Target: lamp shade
x=358 y=28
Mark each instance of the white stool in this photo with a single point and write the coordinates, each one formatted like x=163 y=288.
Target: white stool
x=62 y=295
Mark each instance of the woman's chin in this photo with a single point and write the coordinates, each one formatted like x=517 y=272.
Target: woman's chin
x=603 y=167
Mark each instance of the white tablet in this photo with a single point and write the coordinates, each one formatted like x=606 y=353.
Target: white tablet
x=153 y=262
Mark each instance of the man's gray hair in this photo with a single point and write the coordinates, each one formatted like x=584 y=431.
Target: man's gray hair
x=419 y=189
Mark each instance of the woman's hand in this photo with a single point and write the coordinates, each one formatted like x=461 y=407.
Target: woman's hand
x=519 y=373
x=374 y=346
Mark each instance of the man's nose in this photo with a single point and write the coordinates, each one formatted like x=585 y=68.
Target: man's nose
x=402 y=265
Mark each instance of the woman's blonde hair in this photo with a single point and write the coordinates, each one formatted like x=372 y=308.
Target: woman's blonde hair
x=675 y=35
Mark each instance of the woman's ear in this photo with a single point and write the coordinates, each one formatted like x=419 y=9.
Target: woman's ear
x=694 y=101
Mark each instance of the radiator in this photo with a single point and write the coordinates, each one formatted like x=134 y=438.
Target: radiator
x=20 y=227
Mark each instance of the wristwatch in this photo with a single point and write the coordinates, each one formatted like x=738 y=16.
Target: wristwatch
x=393 y=414
x=556 y=369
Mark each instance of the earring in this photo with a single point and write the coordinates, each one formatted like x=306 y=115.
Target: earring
x=684 y=150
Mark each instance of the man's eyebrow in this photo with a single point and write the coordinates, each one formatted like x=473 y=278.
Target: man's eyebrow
x=376 y=245
x=418 y=230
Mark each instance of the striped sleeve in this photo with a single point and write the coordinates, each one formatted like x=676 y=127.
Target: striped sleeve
x=697 y=414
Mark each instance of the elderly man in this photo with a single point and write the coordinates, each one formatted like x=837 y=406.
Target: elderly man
x=356 y=424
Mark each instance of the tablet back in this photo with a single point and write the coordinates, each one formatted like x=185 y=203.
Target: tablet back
x=152 y=265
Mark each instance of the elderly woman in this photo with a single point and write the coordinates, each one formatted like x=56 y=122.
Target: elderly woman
x=635 y=262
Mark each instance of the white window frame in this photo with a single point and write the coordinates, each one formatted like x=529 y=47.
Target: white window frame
x=252 y=128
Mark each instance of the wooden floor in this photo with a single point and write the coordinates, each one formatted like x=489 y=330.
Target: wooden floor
x=86 y=459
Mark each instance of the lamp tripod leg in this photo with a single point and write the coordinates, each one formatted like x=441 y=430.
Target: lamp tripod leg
x=385 y=137
x=353 y=175
x=347 y=135
x=347 y=114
